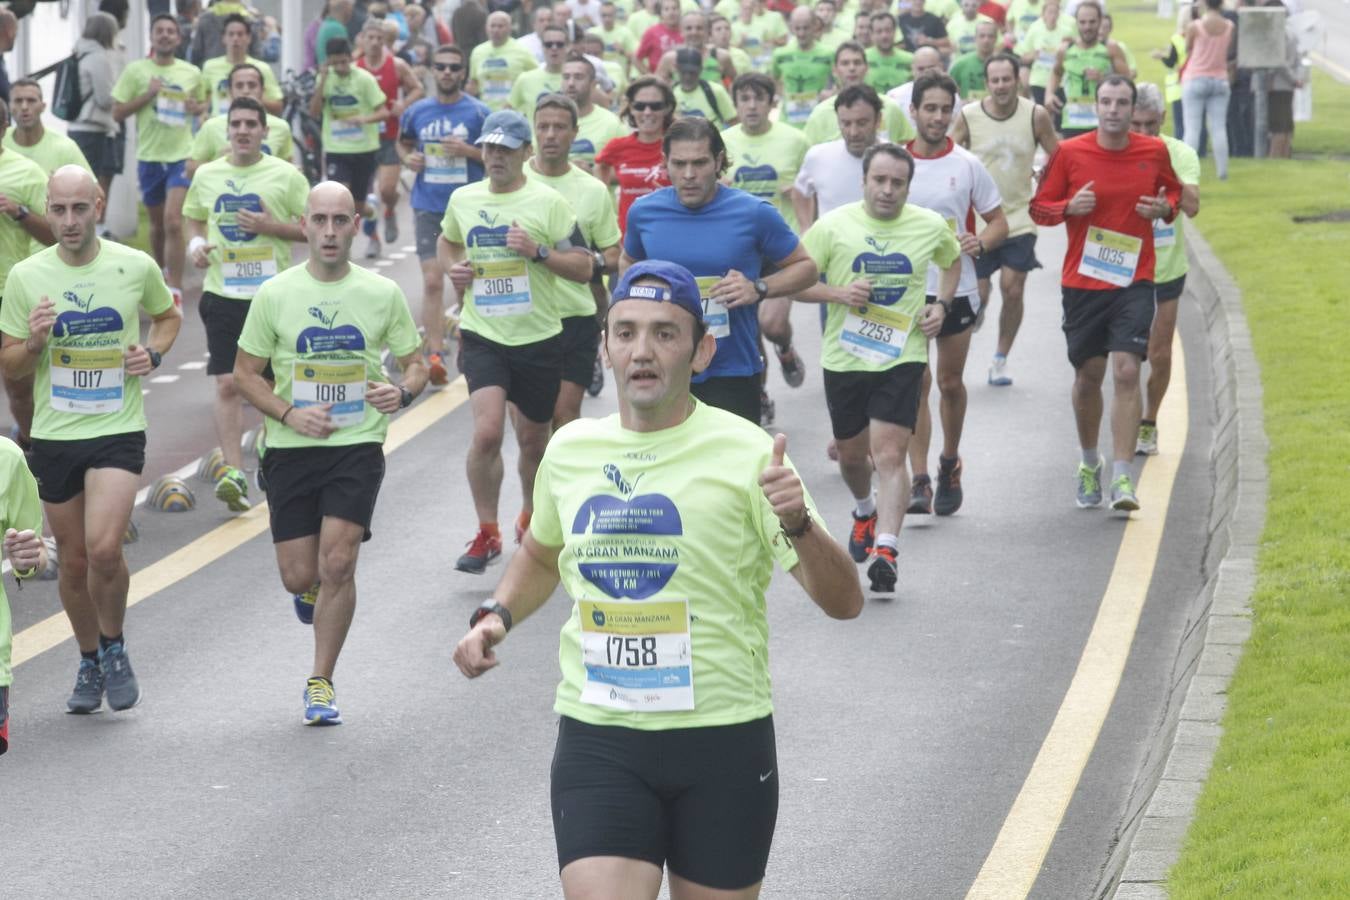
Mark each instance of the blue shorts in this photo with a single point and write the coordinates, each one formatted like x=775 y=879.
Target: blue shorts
x=158 y=177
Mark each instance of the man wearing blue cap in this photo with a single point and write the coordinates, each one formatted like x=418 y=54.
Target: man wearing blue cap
x=725 y=237
x=505 y=242
x=665 y=655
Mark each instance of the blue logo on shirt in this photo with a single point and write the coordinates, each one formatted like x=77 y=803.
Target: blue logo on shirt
x=84 y=319
x=316 y=339
x=889 y=266
x=228 y=204
x=625 y=556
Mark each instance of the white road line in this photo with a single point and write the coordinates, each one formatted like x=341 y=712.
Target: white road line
x=383 y=263
x=398 y=256
x=411 y=248
x=194 y=365
x=165 y=379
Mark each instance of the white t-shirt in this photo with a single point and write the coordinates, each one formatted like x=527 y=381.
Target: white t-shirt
x=588 y=9
x=830 y=174
x=904 y=96
x=955 y=185
x=535 y=44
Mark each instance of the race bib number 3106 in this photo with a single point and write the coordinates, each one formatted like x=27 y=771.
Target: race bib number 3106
x=637 y=654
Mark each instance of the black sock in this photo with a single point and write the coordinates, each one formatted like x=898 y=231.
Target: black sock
x=105 y=642
x=91 y=655
x=1147 y=422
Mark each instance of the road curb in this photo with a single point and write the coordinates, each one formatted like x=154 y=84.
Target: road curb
x=1162 y=802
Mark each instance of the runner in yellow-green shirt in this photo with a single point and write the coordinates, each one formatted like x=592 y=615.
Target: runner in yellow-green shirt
x=237 y=36
x=29 y=137
x=1039 y=46
x=212 y=140
x=1080 y=66
x=596 y=126
x=851 y=67
x=759 y=33
x=663 y=523
x=496 y=63
x=875 y=255
x=888 y=66
x=764 y=159
x=352 y=105
x=23 y=230
x=535 y=83
x=555 y=133
x=696 y=96
x=505 y=241
x=71 y=319
x=166 y=95
x=323 y=326
x=21 y=524
x=802 y=69
x=242 y=215
x=1169 y=271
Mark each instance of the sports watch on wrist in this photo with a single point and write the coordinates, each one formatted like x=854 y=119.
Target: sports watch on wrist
x=155 y=358
x=541 y=253
x=488 y=607
x=405 y=397
x=761 y=288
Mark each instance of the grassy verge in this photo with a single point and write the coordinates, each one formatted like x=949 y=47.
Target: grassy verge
x=1274 y=818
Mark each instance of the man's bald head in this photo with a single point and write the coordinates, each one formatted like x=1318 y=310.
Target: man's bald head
x=70 y=183
x=330 y=197
x=926 y=59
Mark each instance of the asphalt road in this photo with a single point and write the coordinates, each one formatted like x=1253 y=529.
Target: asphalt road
x=903 y=736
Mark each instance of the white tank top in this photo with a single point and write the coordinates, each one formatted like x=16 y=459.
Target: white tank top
x=1007 y=147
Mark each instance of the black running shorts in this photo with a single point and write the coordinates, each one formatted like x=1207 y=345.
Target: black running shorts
x=305 y=484
x=1016 y=253
x=580 y=343
x=738 y=394
x=529 y=373
x=703 y=801
x=59 y=466
x=1100 y=322
x=961 y=318
x=224 y=321
x=355 y=170
x=1170 y=290
x=855 y=398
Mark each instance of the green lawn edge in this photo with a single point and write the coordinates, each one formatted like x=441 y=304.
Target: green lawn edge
x=1273 y=819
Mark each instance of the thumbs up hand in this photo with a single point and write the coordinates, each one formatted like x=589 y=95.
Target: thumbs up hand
x=783 y=488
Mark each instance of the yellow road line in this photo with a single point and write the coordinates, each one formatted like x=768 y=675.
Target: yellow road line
x=1014 y=862
x=42 y=636
x=1334 y=68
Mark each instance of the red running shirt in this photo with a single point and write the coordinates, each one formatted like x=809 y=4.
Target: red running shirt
x=1120 y=178
x=656 y=40
x=639 y=167
x=387 y=75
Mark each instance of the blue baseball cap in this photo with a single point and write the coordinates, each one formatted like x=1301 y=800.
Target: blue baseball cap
x=506 y=127
x=682 y=289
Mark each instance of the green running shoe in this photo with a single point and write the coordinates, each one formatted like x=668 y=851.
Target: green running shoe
x=232 y=490
x=1089 y=485
x=1123 y=498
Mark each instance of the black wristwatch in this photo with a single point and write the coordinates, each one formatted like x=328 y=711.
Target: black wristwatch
x=761 y=288
x=23 y=213
x=541 y=253
x=491 y=606
x=597 y=267
x=405 y=397
x=946 y=306
x=155 y=358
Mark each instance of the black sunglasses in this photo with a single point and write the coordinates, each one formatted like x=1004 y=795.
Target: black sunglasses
x=648 y=105
x=448 y=67
x=554 y=45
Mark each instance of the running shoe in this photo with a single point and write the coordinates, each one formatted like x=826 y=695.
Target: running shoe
x=373 y=247
x=882 y=571
x=794 y=370
x=88 y=694
x=948 y=498
x=861 y=536
x=321 y=702
x=1148 y=441
x=440 y=375
x=1123 y=498
x=766 y=409
x=304 y=604
x=597 y=378
x=1089 y=485
x=921 y=496
x=998 y=372
x=232 y=490
x=119 y=681
x=390 y=228
x=483 y=549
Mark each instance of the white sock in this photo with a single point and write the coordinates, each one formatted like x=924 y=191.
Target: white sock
x=865 y=507
x=887 y=540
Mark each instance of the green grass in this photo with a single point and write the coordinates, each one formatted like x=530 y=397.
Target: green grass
x=1274 y=818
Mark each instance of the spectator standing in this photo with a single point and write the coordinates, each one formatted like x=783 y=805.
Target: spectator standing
x=95 y=130
x=1204 y=82
x=1280 y=100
